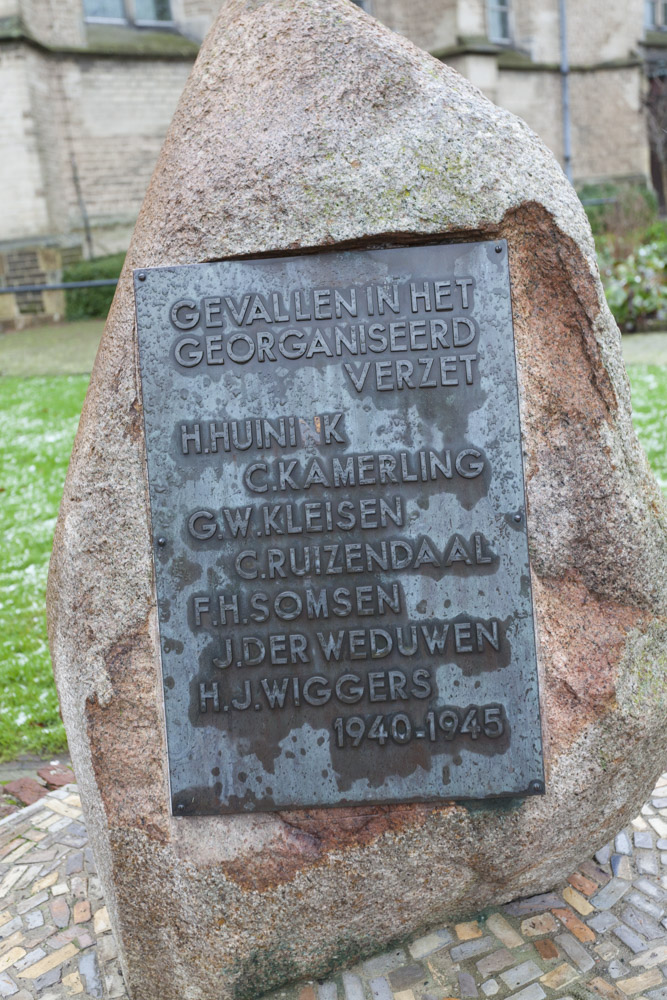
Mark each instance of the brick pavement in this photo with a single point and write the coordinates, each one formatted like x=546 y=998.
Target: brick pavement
x=602 y=934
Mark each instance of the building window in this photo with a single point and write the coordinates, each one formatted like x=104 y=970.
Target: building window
x=128 y=11
x=364 y=4
x=498 y=18
x=655 y=15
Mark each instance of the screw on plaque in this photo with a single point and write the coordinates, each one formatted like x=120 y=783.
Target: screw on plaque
x=180 y=806
x=162 y=542
x=536 y=788
x=517 y=517
x=499 y=248
x=141 y=276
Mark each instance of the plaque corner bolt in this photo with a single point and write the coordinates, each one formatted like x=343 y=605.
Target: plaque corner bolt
x=536 y=788
x=162 y=541
x=518 y=517
x=141 y=276
x=499 y=248
x=179 y=807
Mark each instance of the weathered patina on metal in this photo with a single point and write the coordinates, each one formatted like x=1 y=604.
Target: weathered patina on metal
x=337 y=504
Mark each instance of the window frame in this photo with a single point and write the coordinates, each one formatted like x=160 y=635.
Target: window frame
x=129 y=19
x=502 y=7
x=655 y=15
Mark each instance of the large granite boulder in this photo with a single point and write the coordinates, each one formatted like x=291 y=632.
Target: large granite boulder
x=306 y=124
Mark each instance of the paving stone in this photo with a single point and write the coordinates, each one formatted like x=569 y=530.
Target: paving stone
x=467 y=987
x=659 y=826
x=469 y=949
x=520 y=975
x=575 y=925
x=378 y=966
x=10 y=879
x=74 y=863
x=577 y=901
x=621 y=867
x=81 y=911
x=546 y=949
x=640 y=901
x=622 y=843
x=29 y=959
x=496 y=962
x=107 y=950
x=533 y=904
x=649 y=888
x=637 y=984
x=605 y=989
x=33 y=919
x=629 y=937
x=26 y=790
x=594 y=872
x=327 y=991
x=73 y=984
x=467 y=931
x=406 y=976
x=642 y=923
x=49 y=978
x=18 y=938
x=430 y=943
x=115 y=987
x=646 y=862
x=603 y=922
x=46 y=882
x=532 y=992
x=59 y=912
x=351 y=985
x=583 y=884
x=661 y=844
x=50 y=962
x=380 y=989
x=8 y=959
x=575 y=951
x=608 y=896
x=543 y=923
x=504 y=931
x=658 y=994
x=659 y=803
x=7 y=985
x=561 y=976
x=606 y=949
x=10 y=927
x=618 y=969
x=60 y=890
x=490 y=988
x=56 y=775
x=101 y=923
x=604 y=854
x=404 y=995
x=639 y=823
x=643 y=839
x=650 y=957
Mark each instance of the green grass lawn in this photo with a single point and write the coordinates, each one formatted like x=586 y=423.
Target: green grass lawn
x=38 y=421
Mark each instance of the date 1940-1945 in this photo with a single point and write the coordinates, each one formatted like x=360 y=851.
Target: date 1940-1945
x=448 y=723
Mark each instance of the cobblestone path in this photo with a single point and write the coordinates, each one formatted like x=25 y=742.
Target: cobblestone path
x=602 y=934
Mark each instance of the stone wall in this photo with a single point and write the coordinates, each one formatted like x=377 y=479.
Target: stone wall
x=23 y=198
x=105 y=118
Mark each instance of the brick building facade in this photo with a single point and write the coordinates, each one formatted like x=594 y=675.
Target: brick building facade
x=88 y=87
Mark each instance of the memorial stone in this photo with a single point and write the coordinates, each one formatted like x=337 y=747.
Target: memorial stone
x=354 y=496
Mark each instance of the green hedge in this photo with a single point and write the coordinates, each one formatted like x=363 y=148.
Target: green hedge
x=91 y=303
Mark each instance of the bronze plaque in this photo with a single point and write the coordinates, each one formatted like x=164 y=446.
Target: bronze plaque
x=337 y=505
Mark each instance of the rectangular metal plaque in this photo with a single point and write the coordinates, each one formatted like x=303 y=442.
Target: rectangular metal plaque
x=337 y=503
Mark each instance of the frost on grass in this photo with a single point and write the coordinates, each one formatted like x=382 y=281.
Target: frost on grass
x=649 y=413
x=38 y=421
